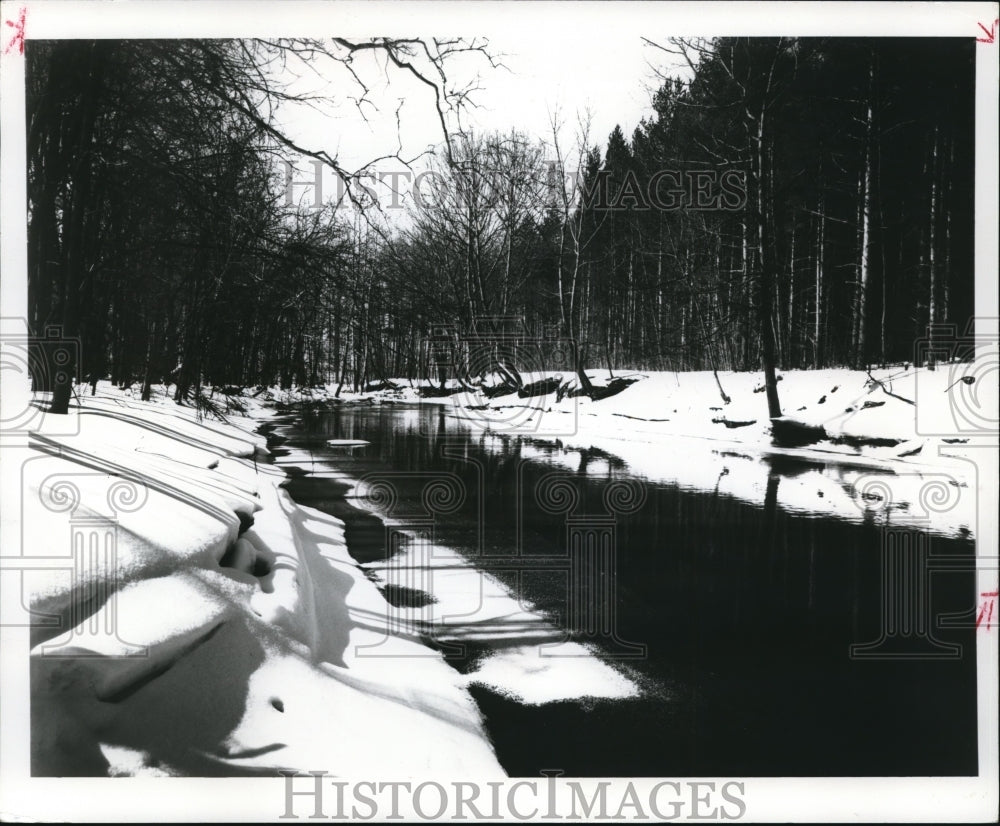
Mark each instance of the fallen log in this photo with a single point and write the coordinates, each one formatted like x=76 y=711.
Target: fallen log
x=540 y=388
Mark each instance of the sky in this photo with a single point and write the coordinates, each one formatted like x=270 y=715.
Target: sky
x=541 y=76
x=548 y=74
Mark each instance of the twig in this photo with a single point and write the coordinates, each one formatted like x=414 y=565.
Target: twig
x=887 y=391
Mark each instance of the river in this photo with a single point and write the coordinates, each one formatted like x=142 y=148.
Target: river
x=735 y=619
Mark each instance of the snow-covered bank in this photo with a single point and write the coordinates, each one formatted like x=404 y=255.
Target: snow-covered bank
x=220 y=628
x=514 y=649
x=217 y=627
x=896 y=446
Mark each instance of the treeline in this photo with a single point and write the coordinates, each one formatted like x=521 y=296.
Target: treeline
x=810 y=197
x=159 y=236
x=791 y=202
x=156 y=232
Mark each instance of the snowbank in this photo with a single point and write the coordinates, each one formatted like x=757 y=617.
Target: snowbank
x=191 y=619
x=521 y=653
x=896 y=446
x=514 y=649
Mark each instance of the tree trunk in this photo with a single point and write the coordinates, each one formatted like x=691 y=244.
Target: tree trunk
x=932 y=220
x=820 y=243
x=948 y=205
x=931 y=271
x=765 y=280
x=860 y=353
x=147 y=379
x=75 y=222
x=790 y=329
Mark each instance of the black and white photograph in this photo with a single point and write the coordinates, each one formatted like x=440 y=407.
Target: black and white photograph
x=499 y=411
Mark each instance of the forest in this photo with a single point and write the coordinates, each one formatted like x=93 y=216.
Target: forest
x=789 y=203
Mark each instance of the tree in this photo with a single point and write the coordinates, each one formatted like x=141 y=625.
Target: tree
x=153 y=202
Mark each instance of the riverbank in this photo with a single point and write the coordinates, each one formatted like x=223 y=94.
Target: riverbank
x=744 y=615
x=896 y=445
x=217 y=627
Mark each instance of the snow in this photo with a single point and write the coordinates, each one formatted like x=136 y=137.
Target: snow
x=209 y=625
x=670 y=428
x=178 y=665
x=526 y=656
x=575 y=673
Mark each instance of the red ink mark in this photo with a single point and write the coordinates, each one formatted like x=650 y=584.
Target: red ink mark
x=18 y=39
x=990 y=32
x=986 y=612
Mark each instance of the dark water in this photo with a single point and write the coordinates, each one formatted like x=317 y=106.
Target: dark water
x=747 y=614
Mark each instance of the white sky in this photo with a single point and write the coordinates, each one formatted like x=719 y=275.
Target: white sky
x=542 y=74
x=549 y=73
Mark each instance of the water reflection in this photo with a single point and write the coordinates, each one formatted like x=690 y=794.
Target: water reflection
x=746 y=580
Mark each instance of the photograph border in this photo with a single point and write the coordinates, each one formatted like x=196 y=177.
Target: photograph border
x=845 y=799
